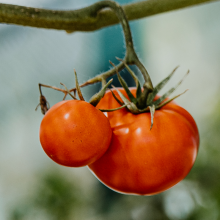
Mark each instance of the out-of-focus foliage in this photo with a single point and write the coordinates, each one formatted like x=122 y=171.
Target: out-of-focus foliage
x=206 y=173
x=55 y=198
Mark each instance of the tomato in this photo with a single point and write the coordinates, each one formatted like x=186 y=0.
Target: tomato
x=143 y=161
x=74 y=133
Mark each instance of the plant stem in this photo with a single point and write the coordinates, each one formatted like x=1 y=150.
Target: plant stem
x=86 y=19
x=130 y=57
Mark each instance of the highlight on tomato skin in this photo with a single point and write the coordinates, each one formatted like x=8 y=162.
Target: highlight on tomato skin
x=74 y=133
x=142 y=161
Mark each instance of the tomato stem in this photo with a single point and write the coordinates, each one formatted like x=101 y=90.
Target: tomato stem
x=130 y=55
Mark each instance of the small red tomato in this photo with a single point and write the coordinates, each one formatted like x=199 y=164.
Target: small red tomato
x=74 y=133
x=143 y=161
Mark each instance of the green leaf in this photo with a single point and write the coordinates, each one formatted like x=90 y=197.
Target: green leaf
x=99 y=95
x=158 y=87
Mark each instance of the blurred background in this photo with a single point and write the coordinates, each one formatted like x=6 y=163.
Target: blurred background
x=32 y=186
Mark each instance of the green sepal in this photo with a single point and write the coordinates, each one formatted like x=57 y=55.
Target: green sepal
x=68 y=91
x=124 y=99
x=152 y=111
x=99 y=95
x=145 y=109
x=130 y=105
x=78 y=88
x=113 y=109
x=64 y=97
x=124 y=85
x=158 y=87
x=138 y=86
x=115 y=97
x=162 y=98
x=141 y=102
x=168 y=101
x=133 y=108
x=138 y=91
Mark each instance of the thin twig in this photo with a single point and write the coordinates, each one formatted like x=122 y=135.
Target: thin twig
x=52 y=87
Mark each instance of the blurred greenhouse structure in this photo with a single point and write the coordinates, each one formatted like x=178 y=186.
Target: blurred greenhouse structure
x=32 y=186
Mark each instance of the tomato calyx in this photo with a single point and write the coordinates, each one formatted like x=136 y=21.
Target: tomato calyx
x=44 y=104
x=149 y=103
x=95 y=98
x=144 y=100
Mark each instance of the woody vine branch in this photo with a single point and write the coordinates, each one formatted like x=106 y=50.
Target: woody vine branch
x=86 y=19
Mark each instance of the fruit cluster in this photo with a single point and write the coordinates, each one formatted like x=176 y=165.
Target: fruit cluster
x=141 y=153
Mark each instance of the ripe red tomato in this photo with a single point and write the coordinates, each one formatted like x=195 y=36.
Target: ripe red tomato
x=143 y=161
x=74 y=133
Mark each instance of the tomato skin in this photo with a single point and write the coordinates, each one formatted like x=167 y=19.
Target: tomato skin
x=143 y=161
x=74 y=133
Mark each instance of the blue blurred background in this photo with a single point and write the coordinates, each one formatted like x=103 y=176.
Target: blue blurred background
x=34 y=187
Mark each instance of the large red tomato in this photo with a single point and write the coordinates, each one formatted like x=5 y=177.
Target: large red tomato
x=143 y=161
x=74 y=133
